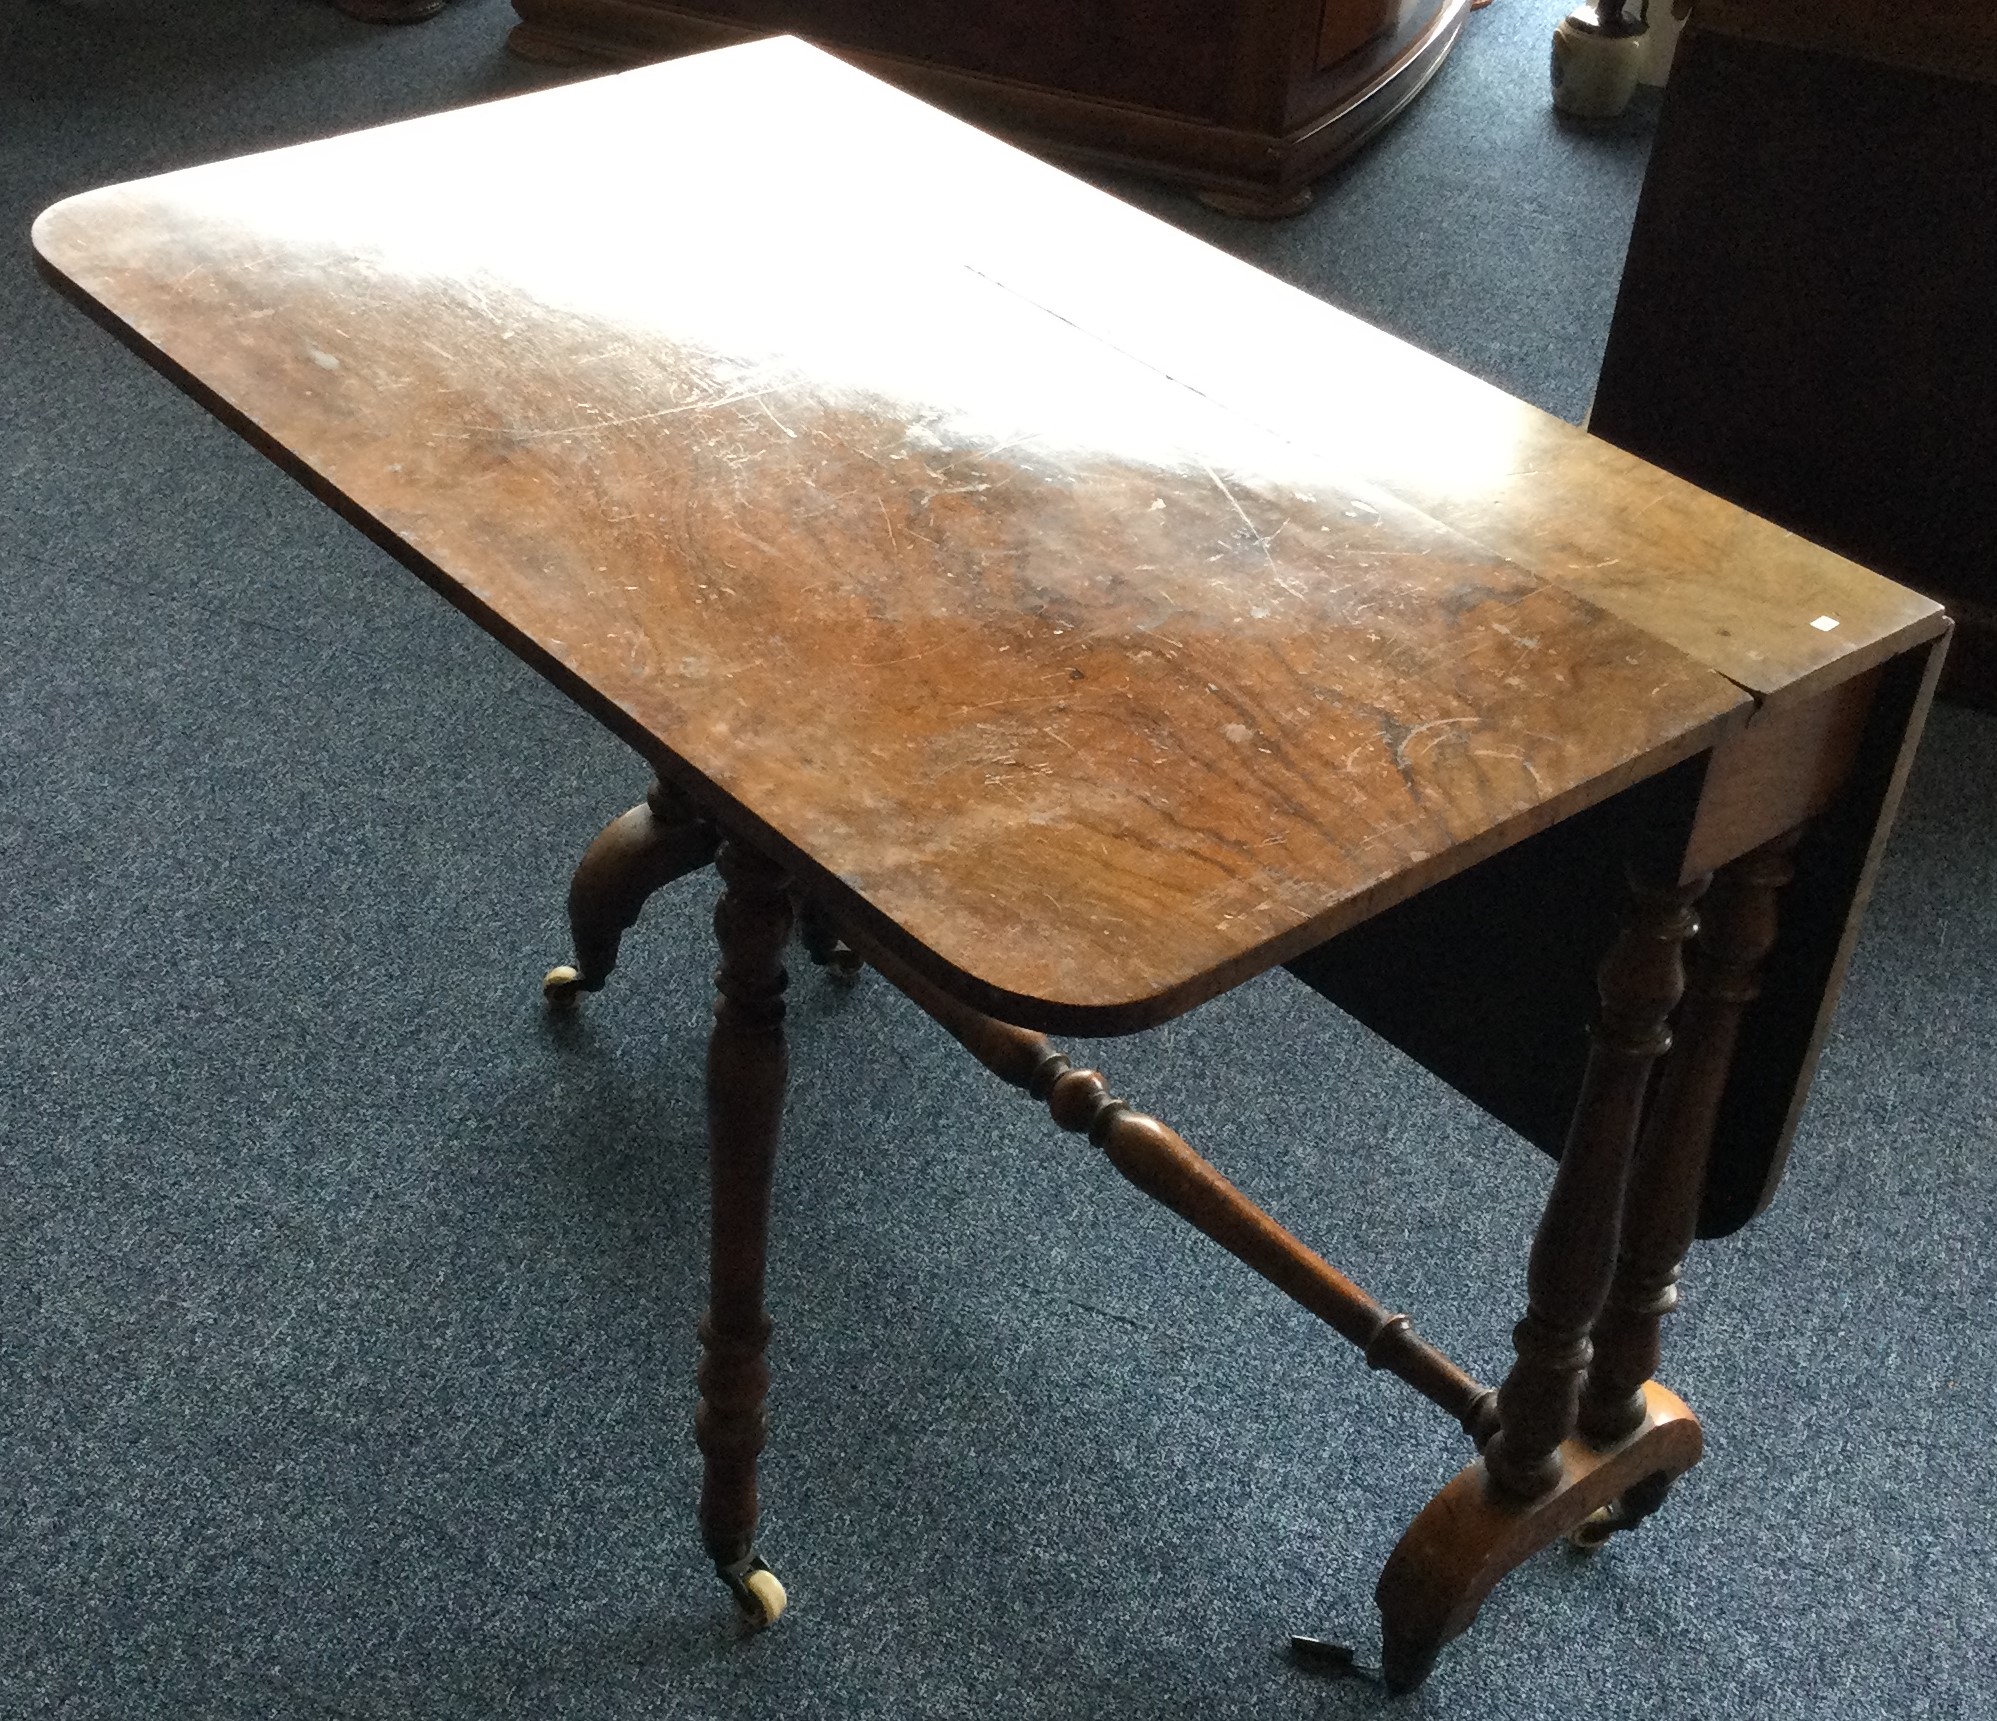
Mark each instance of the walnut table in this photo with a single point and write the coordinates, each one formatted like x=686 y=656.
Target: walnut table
x=1074 y=623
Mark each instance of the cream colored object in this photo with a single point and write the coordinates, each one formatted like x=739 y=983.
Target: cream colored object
x=1595 y=64
x=1664 y=23
x=767 y=1594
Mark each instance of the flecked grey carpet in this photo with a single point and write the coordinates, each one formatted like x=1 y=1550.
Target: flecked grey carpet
x=346 y=1309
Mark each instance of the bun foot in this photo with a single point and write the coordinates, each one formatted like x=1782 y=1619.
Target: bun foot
x=1257 y=205
x=390 y=11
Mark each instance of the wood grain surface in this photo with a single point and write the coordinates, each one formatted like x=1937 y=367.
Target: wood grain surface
x=1776 y=614
x=1734 y=591
x=1088 y=694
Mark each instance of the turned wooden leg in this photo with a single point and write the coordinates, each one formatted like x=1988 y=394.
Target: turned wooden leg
x=746 y=1069
x=1661 y=1213
x=1536 y=1481
x=1574 y=1252
x=633 y=856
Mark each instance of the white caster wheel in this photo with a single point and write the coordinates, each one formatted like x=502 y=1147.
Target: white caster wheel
x=1596 y=1528
x=763 y=1599
x=562 y=988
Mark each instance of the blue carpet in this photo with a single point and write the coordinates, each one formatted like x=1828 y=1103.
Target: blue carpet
x=346 y=1310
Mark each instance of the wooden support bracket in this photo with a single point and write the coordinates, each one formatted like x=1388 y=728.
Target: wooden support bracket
x=1473 y=1532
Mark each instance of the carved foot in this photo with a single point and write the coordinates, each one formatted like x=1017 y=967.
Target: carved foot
x=525 y=42
x=1472 y=1533
x=1258 y=206
x=633 y=856
x=390 y=11
x=1405 y=1661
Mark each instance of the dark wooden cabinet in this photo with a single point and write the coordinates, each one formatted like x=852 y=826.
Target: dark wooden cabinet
x=1247 y=100
x=1807 y=323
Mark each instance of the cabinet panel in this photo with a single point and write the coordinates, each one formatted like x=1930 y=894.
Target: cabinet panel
x=1806 y=324
x=1172 y=54
x=1348 y=25
x=1232 y=96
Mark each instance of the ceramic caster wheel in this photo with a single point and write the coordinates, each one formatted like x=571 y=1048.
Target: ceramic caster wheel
x=756 y=1590
x=763 y=1599
x=1596 y=1528
x=843 y=964
x=562 y=988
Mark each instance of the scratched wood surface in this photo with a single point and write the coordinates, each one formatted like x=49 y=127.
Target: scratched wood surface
x=1779 y=616
x=1088 y=695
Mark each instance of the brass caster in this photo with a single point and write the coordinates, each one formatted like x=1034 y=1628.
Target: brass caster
x=562 y=988
x=1599 y=1525
x=1621 y=1515
x=758 y=1592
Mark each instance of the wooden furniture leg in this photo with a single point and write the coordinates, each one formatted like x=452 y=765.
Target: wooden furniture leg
x=634 y=855
x=1535 y=1482
x=747 y=1064
x=1574 y=1252
x=1740 y=924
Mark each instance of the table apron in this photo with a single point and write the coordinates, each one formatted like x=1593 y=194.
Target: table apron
x=1784 y=768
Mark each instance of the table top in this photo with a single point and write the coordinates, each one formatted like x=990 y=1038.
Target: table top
x=961 y=534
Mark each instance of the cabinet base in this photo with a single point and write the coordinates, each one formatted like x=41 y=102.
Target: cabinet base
x=1248 y=171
